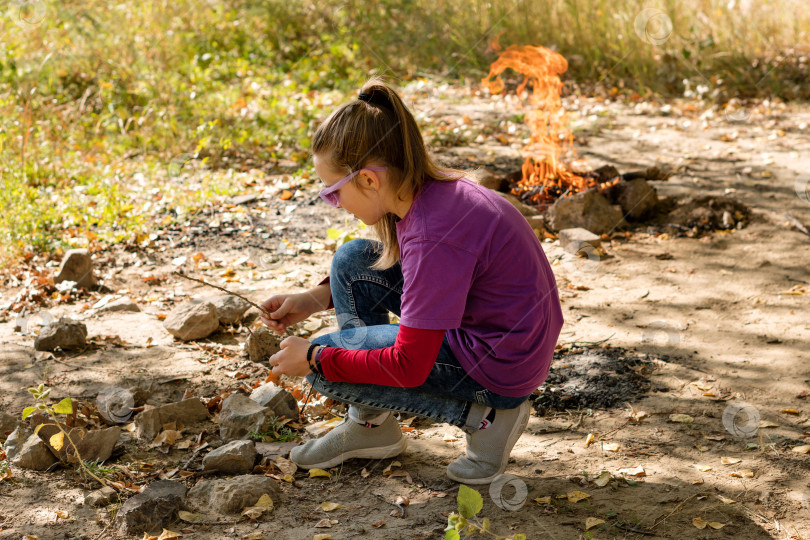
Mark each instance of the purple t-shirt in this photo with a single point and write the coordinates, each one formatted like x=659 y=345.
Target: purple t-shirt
x=473 y=265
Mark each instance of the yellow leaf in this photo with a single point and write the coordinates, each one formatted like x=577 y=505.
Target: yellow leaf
x=704 y=468
x=330 y=506
x=611 y=447
x=62 y=514
x=726 y=500
x=804 y=449
x=264 y=501
x=603 y=479
x=168 y=535
x=700 y=523
x=57 y=441
x=322 y=537
x=729 y=460
x=767 y=424
x=592 y=522
x=576 y=496
x=716 y=525
x=745 y=473
x=314 y=473
x=789 y=411
x=543 y=500
x=589 y=440
x=288 y=478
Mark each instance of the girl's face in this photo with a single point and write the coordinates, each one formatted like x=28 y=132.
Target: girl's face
x=363 y=202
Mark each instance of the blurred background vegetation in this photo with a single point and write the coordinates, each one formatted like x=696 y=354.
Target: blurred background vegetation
x=100 y=101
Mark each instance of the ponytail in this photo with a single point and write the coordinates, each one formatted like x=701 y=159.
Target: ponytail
x=378 y=127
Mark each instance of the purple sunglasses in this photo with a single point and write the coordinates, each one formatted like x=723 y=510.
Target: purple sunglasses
x=329 y=194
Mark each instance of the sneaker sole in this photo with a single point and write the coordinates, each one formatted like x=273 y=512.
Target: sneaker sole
x=381 y=452
x=514 y=435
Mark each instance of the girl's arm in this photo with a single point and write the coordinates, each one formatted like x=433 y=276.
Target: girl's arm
x=406 y=364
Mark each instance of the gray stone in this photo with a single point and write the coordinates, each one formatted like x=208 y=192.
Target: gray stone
x=280 y=400
x=33 y=453
x=231 y=496
x=240 y=415
x=236 y=457
x=490 y=179
x=122 y=304
x=8 y=423
x=15 y=441
x=523 y=208
x=273 y=449
x=100 y=497
x=77 y=266
x=262 y=344
x=230 y=309
x=93 y=445
x=192 y=320
x=636 y=197
x=149 y=422
x=572 y=240
x=588 y=210
x=65 y=334
x=152 y=509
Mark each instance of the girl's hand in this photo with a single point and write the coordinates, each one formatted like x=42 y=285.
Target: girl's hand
x=286 y=309
x=292 y=358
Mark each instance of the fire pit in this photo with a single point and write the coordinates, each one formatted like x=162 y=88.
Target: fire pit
x=602 y=200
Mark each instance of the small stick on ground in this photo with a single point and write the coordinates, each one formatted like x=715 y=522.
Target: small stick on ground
x=257 y=306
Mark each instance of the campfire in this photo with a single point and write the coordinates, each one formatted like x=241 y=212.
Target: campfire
x=572 y=195
x=545 y=178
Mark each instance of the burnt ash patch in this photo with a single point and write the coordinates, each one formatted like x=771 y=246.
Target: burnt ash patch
x=595 y=378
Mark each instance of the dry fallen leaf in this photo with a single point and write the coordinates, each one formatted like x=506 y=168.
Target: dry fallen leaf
x=632 y=471
x=322 y=537
x=264 y=501
x=330 y=506
x=543 y=500
x=804 y=449
x=576 y=496
x=364 y=473
x=168 y=535
x=603 y=479
x=745 y=473
x=592 y=522
x=190 y=517
x=767 y=424
x=729 y=460
x=62 y=514
x=589 y=440
x=611 y=447
x=726 y=500
x=285 y=465
x=314 y=473
x=391 y=465
x=701 y=523
x=789 y=411
x=703 y=468
x=325 y=523
x=681 y=418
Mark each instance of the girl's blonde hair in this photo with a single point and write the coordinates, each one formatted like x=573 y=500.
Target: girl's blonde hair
x=379 y=128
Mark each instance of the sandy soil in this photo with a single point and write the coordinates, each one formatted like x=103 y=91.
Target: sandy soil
x=729 y=312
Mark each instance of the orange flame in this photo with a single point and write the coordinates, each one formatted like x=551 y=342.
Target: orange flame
x=550 y=137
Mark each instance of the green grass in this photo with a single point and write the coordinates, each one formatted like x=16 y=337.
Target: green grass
x=101 y=103
x=275 y=433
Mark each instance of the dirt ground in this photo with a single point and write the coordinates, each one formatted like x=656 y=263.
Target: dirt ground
x=725 y=317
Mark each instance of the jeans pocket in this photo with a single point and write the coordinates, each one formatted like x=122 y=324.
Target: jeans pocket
x=482 y=397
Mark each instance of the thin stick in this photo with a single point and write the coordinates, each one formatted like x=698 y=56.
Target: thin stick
x=257 y=306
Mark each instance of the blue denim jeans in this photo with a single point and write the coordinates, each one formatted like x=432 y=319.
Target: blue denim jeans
x=363 y=297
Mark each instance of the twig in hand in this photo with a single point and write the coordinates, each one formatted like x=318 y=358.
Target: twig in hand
x=257 y=306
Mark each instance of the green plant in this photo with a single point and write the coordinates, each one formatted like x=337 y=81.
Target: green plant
x=98 y=469
x=275 y=432
x=57 y=441
x=466 y=520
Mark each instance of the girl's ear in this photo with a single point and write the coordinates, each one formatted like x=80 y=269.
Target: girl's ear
x=370 y=180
